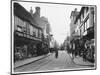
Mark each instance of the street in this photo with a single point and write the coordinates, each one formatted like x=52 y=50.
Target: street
x=51 y=63
x=53 y=40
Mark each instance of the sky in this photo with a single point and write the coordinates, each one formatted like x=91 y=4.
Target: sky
x=58 y=16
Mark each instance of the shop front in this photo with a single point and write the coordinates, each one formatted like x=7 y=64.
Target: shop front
x=24 y=47
x=89 y=44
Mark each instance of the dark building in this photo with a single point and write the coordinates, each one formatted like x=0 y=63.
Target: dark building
x=85 y=22
x=28 y=35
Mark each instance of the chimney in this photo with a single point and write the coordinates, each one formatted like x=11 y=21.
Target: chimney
x=75 y=9
x=37 y=10
x=31 y=11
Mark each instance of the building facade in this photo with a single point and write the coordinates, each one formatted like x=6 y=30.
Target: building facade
x=42 y=22
x=85 y=28
x=84 y=21
x=72 y=24
x=28 y=35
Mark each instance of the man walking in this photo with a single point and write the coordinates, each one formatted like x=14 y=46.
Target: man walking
x=56 y=53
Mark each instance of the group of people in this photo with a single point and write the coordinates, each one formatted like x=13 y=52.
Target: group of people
x=81 y=48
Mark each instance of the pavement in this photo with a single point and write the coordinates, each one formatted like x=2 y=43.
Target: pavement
x=79 y=61
x=29 y=60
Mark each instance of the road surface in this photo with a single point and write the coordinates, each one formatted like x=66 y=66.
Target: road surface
x=50 y=63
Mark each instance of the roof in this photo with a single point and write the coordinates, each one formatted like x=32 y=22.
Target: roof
x=74 y=13
x=81 y=11
x=23 y=14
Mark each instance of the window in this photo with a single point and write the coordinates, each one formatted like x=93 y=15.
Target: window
x=80 y=31
x=31 y=29
x=88 y=23
x=28 y=31
x=24 y=29
x=85 y=25
x=38 y=33
x=34 y=34
x=83 y=14
x=19 y=28
x=87 y=8
x=80 y=20
x=81 y=17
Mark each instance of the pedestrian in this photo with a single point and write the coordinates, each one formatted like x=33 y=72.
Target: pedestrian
x=73 y=50
x=56 y=53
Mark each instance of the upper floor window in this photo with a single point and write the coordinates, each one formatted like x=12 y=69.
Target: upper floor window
x=39 y=33
x=83 y=14
x=28 y=28
x=85 y=25
x=88 y=25
x=87 y=8
x=24 y=29
x=19 y=28
x=80 y=31
x=34 y=34
x=80 y=20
